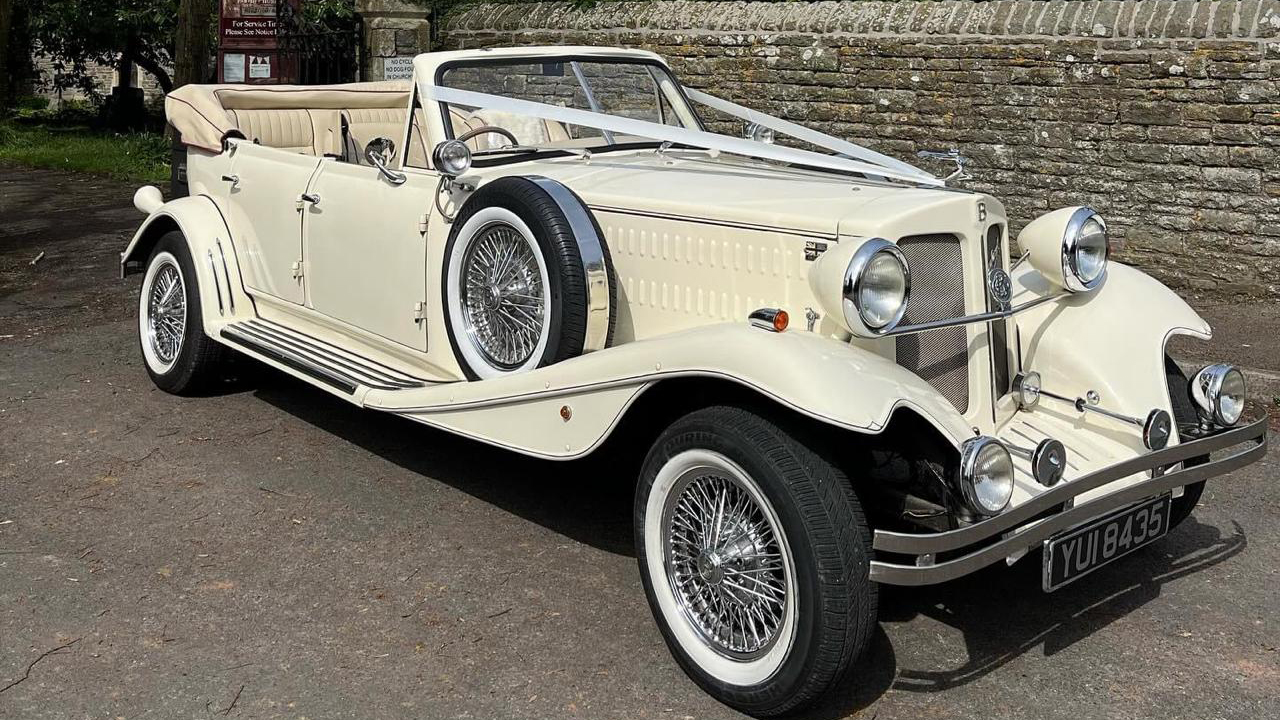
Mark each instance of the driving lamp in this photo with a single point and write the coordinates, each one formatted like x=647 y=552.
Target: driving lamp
x=986 y=475
x=452 y=158
x=1219 y=392
x=1069 y=247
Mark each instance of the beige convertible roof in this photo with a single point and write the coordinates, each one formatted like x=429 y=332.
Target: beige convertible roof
x=199 y=112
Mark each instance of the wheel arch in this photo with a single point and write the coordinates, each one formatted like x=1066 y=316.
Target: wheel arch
x=213 y=253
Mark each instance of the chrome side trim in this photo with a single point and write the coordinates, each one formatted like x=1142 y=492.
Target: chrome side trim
x=591 y=249
x=900 y=574
x=217 y=286
x=231 y=296
x=306 y=367
x=1256 y=432
x=969 y=319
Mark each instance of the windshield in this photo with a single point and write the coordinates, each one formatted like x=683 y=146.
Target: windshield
x=630 y=89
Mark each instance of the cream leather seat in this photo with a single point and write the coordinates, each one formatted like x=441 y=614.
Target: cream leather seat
x=309 y=132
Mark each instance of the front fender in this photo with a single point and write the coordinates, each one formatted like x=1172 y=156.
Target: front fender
x=825 y=379
x=1111 y=340
x=222 y=294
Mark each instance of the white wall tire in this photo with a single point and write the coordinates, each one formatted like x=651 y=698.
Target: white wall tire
x=527 y=299
x=177 y=354
x=816 y=531
x=527 y=280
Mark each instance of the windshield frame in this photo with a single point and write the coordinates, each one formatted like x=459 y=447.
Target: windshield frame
x=654 y=66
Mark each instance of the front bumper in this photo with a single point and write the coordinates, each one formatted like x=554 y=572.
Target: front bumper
x=1028 y=524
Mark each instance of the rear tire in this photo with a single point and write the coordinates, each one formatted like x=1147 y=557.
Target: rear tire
x=178 y=356
x=1184 y=413
x=765 y=619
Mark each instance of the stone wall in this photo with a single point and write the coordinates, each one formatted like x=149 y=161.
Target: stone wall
x=392 y=29
x=1163 y=114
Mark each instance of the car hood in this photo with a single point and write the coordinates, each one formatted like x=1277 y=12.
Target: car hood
x=690 y=184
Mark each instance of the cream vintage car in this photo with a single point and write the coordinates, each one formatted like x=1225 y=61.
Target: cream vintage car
x=839 y=373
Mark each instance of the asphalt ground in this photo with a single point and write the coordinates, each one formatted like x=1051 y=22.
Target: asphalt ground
x=271 y=551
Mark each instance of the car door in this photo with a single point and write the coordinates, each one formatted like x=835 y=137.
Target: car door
x=266 y=188
x=365 y=244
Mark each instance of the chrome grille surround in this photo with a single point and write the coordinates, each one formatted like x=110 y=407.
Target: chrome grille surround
x=940 y=357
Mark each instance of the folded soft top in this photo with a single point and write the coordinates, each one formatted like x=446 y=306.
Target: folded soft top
x=199 y=112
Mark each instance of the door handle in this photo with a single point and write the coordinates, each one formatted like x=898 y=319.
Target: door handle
x=306 y=198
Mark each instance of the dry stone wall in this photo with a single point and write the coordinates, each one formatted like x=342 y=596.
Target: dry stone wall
x=1163 y=114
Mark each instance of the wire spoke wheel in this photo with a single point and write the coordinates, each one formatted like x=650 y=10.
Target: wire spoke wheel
x=504 y=298
x=726 y=563
x=166 y=313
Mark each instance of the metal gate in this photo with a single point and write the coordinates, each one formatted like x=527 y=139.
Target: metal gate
x=320 y=52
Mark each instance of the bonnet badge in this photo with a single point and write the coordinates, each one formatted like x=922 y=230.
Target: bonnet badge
x=1000 y=287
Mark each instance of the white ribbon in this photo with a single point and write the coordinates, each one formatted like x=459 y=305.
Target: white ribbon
x=694 y=138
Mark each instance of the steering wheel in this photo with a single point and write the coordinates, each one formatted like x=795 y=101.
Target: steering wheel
x=488 y=129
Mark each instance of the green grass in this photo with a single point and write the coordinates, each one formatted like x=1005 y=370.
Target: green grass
x=136 y=157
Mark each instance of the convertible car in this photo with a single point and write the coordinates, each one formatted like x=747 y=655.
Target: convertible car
x=832 y=369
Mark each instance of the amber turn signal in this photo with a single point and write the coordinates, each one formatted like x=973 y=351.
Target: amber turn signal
x=773 y=319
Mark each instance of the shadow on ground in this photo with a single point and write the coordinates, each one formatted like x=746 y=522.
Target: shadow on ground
x=1000 y=612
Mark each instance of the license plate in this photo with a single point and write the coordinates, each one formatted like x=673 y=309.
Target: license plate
x=1077 y=552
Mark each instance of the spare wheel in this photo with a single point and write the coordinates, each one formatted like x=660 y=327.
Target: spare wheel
x=528 y=280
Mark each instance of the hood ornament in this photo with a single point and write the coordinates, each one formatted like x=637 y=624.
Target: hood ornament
x=960 y=173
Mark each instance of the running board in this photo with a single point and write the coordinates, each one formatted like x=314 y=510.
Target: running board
x=317 y=359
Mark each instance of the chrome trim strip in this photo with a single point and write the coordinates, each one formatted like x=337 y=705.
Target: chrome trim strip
x=591 y=249
x=896 y=574
x=321 y=345
x=969 y=319
x=829 y=237
x=217 y=286
x=919 y=544
x=364 y=377
x=231 y=296
x=302 y=365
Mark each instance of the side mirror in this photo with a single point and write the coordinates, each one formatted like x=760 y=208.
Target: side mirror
x=380 y=152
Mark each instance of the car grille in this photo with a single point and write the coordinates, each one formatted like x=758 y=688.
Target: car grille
x=940 y=357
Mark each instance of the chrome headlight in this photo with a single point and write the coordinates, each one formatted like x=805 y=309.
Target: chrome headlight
x=876 y=286
x=1219 y=392
x=451 y=158
x=1084 y=251
x=986 y=475
x=1069 y=247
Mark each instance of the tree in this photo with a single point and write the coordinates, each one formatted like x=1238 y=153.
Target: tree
x=120 y=33
x=192 y=44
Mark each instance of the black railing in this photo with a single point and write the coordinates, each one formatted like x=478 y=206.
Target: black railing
x=318 y=53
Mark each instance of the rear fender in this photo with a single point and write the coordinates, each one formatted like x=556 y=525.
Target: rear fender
x=222 y=295
x=568 y=409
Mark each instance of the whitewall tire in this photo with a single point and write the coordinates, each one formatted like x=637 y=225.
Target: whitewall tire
x=754 y=554
x=527 y=280
x=178 y=356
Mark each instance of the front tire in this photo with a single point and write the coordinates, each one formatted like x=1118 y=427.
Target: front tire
x=1184 y=414
x=179 y=357
x=754 y=554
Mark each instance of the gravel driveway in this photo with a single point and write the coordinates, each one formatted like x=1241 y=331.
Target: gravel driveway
x=271 y=551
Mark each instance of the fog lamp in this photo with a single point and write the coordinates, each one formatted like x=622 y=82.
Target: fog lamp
x=986 y=475
x=1219 y=392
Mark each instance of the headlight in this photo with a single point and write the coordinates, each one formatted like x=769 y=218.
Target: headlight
x=1069 y=247
x=452 y=158
x=876 y=285
x=1218 y=390
x=1084 y=251
x=986 y=475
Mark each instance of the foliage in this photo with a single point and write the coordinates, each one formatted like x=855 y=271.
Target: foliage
x=80 y=33
x=135 y=157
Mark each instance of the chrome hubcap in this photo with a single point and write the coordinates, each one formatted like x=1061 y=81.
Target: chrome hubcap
x=725 y=563
x=502 y=296
x=166 y=313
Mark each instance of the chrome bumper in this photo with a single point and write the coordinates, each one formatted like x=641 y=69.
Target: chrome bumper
x=1020 y=534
